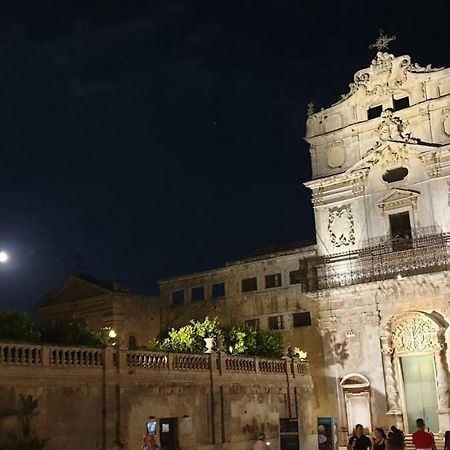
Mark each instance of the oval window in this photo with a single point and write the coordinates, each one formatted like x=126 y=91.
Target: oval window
x=399 y=174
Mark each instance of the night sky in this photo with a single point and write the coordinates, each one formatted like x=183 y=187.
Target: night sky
x=157 y=138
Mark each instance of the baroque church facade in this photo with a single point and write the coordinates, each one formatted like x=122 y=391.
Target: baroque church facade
x=369 y=300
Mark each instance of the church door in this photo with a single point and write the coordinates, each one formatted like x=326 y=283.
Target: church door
x=419 y=383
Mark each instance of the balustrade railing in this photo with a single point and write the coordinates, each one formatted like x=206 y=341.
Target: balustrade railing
x=272 y=366
x=190 y=362
x=63 y=356
x=20 y=354
x=240 y=364
x=30 y=355
x=147 y=360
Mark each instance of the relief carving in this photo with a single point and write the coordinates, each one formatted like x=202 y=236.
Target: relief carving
x=385 y=75
x=341 y=226
x=416 y=334
x=446 y=125
x=393 y=128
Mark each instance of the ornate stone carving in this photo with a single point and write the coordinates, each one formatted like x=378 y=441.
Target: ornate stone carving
x=398 y=198
x=392 y=128
x=317 y=197
x=415 y=333
x=385 y=75
x=341 y=226
x=388 y=156
x=389 y=375
x=415 y=68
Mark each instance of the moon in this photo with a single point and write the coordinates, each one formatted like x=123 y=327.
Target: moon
x=3 y=257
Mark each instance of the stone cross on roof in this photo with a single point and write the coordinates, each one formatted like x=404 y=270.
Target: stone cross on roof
x=382 y=42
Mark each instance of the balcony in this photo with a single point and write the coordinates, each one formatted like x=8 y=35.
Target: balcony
x=385 y=258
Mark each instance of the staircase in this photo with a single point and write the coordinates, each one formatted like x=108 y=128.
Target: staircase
x=438 y=439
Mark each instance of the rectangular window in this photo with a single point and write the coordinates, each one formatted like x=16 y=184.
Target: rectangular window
x=374 y=112
x=198 y=294
x=401 y=103
x=177 y=298
x=302 y=319
x=249 y=284
x=400 y=231
x=273 y=280
x=218 y=290
x=295 y=277
x=252 y=323
x=276 y=323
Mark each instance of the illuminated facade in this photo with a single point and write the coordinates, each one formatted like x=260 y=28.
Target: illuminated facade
x=381 y=195
x=375 y=287
x=369 y=301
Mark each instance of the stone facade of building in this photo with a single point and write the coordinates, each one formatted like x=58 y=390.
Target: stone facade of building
x=88 y=398
x=104 y=304
x=368 y=302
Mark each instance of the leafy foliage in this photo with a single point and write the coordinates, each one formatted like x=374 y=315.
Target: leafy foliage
x=242 y=340
x=26 y=440
x=189 y=338
x=17 y=326
x=72 y=332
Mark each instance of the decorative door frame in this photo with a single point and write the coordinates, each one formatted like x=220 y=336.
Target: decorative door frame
x=414 y=333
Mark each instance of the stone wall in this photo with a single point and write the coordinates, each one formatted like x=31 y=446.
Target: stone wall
x=90 y=397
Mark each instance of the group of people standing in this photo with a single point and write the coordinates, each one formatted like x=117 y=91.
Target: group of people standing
x=422 y=439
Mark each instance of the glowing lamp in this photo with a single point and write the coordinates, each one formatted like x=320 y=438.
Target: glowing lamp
x=3 y=257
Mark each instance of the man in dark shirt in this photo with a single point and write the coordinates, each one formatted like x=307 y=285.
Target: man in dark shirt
x=359 y=441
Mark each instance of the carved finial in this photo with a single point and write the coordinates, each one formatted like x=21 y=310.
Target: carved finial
x=382 y=42
x=310 y=110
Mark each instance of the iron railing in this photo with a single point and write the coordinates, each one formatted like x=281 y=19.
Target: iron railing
x=381 y=259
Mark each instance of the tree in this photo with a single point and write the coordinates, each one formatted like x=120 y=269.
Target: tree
x=17 y=326
x=74 y=332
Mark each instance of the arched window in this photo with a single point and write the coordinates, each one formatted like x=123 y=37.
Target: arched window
x=132 y=342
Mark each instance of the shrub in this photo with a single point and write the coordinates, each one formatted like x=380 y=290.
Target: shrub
x=17 y=326
x=242 y=339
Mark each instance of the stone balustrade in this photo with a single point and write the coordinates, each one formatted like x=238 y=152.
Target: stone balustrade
x=75 y=357
x=23 y=354
x=20 y=354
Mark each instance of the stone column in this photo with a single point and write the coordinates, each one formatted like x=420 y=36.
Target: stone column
x=389 y=377
x=442 y=390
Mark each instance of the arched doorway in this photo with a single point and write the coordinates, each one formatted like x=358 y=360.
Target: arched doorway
x=356 y=392
x=414 y=370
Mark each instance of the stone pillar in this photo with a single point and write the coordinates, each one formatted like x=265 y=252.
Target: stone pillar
x=110 y=406
x=389 y=377
x=442 y=389
x=307 y=428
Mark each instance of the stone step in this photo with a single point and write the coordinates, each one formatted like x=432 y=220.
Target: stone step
x=409 y=445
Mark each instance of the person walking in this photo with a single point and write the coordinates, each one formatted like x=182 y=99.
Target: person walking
x=359 y=441
x=423 y=439
x=379 y=439
x=396 y=439
x=260 y=444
